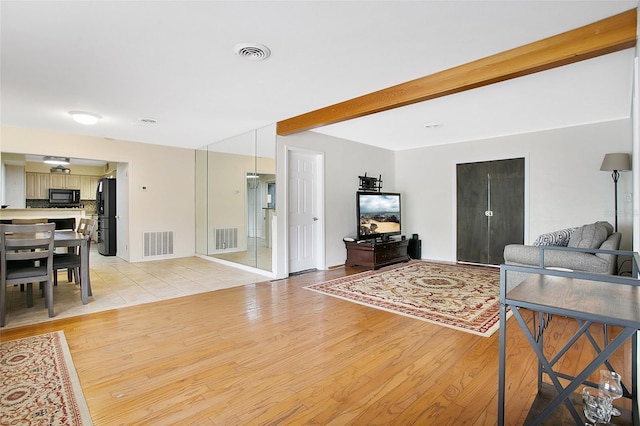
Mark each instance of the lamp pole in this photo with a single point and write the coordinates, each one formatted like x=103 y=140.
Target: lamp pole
x=615 y=175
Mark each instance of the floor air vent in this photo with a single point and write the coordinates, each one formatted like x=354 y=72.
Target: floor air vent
x=226 y=238
x=157 y=243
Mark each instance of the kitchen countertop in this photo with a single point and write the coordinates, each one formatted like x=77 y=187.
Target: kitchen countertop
x=52 y=213
x=44 y=209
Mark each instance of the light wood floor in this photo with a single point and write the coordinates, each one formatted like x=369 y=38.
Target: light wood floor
x=274 y=353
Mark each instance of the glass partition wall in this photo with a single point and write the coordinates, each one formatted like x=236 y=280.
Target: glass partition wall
x=235 y=198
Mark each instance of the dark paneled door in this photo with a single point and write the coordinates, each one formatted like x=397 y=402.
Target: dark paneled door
x=490 y=206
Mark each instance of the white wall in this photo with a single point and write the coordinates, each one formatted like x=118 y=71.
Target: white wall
x=565 y=186
x=344 y=161
x=166 y=172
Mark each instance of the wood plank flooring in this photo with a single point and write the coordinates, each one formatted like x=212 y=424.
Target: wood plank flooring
x=273 y=353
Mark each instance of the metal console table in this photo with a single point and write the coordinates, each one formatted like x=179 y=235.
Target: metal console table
x=589 y=298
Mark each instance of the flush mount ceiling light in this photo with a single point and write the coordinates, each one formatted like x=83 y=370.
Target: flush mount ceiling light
x=59 y=161
x=83 y=117
x=252 y=51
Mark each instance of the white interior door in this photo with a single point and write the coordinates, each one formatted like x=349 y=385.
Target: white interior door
x=14 y=186
x=304 y=210
x=122 y=211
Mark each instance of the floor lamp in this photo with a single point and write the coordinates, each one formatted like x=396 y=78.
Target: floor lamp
x=616 y=163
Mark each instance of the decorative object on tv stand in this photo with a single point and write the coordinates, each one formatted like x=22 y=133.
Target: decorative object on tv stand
x=615 y=163
x=370 y=184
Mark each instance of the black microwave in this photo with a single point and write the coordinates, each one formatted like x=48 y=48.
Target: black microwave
x=64 y=196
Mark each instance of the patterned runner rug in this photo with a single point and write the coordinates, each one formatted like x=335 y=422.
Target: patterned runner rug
x=465 y=298
x=39 y=383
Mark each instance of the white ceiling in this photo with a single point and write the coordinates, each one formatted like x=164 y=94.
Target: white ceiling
x=173 y=61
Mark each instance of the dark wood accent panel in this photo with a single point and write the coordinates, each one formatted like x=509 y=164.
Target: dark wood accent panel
x=376 y=255
x=507 y=203
x=600 y=38
x=472 y=229
x=497 y=187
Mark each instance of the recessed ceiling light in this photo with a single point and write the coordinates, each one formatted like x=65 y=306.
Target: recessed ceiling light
x=252 y=51
x=432 y=125
x=60 y=161
x=83 y=117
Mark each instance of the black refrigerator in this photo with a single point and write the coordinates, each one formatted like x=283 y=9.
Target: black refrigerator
x=106 y=209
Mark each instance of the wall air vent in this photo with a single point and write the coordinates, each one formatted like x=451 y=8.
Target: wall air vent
x=157 y=243
x=226 y=238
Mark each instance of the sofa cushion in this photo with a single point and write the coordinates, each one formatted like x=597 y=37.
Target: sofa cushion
x=557 y=238
x=590 y=236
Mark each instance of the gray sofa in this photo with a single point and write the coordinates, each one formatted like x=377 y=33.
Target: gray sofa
x=598 y=235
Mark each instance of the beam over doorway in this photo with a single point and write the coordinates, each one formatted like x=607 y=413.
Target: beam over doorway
x=599 y=38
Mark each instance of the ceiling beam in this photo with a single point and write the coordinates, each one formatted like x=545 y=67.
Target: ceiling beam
x=600 y=38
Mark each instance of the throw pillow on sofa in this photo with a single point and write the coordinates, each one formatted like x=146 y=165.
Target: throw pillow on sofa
x=557 y=238
x=590 y=236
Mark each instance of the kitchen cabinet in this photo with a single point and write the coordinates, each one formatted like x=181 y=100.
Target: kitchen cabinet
x=58 y=181
x=32 y=187
x=88 y=185
x=73 y=181
x=65 y=181
x=37 y=186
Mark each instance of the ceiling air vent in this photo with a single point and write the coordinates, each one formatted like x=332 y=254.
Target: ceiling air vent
x=148 y=120
x=252 y=51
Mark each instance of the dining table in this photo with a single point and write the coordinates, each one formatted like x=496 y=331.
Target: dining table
x=70 y=238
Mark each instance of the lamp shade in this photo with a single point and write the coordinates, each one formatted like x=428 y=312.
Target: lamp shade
x=616 y=161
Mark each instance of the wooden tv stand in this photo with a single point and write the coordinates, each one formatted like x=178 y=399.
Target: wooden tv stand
x=374 y=255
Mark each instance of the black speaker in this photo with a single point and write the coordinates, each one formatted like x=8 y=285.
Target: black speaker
x=415 y=249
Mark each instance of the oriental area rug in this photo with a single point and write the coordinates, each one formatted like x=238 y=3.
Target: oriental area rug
x=39 y=384
x=465 y=298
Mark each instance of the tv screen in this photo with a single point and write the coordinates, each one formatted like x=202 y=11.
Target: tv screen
x=378 y=215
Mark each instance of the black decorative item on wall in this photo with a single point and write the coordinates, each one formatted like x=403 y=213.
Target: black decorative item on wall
x=370 y=184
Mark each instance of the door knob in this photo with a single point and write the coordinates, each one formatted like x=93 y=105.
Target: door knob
x=315 y=219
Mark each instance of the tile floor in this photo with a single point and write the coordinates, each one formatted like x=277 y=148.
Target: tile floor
x=257 y=255
x=117 y=284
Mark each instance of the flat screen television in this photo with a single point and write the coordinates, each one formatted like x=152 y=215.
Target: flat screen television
x=378 y=215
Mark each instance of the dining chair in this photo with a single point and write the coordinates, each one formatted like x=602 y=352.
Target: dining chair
x=72 y=260
x=28 y=221
x=26 y=256
x=61 y=225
